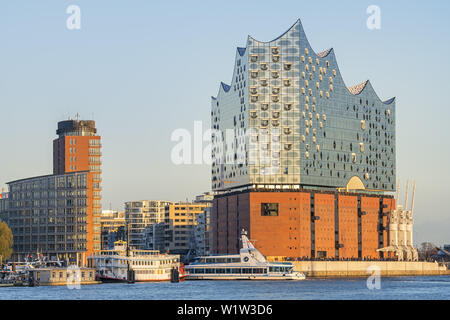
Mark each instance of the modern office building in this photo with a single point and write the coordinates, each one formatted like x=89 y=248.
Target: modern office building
x=155 y=237
x=139 y=216
x=202 y=229
x=113 y=228
x=299 y=159
x=202 y=233
x=205 y=197
x=181 y=220
x=51 y=215
x=78 y=148
x=59 y=215
x=182 y=227
x=3 y=203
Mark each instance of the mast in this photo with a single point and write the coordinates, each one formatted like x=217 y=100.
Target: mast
x=130 y=279
x=406 y=196
x=128 y=241
x=412 y=200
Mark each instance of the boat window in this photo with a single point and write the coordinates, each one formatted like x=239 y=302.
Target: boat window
x=273 y=269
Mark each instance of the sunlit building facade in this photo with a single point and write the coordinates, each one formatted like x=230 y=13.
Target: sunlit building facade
x=181 y=221
x=296 y=123
x=113 y=228
x=139 y=216
x=49 y=215
x=303 y=162
x=59 y=215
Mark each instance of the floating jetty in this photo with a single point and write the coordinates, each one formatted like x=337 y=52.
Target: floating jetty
x=48 y=277
x=62 y=276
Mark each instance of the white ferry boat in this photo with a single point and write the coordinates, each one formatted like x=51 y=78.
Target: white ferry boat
x=249 y=264
x=131 y=265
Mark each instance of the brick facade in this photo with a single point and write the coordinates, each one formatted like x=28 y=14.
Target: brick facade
x=309 y=224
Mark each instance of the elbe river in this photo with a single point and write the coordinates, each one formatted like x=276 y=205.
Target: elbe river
x=409 y=288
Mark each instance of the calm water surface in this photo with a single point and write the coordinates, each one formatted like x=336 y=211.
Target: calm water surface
x=433 y=287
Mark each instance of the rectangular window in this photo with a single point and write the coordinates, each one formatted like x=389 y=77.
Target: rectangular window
x=269 y=209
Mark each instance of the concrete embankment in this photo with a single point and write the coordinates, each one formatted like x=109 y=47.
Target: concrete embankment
x=348 y=269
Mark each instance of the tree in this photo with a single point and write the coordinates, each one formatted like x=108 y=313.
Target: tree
x=426 y=250
x=6 y=242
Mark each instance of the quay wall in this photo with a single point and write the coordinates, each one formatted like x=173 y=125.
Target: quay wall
x=346 y=269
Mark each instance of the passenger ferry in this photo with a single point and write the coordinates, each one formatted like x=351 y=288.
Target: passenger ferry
x=249 y=264
x=131 y=265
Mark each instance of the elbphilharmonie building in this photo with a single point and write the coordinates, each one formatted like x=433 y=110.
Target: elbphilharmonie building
x=296 y=123
x=303 y=162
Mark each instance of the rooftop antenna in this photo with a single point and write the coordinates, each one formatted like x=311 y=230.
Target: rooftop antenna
x=413 y=194
x=406 y=196
x=78 y=116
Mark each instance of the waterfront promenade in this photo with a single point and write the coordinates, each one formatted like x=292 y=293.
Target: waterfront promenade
x=347 y=269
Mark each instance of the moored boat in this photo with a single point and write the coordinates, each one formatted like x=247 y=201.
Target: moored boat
x=131 y=265
x=249 y=264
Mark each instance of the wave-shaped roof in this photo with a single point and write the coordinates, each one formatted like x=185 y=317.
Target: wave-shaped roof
x=225 y=87
x=280 y=36
x=389 y=101
x=241 y=51
x=323 y=54
x=355 y=90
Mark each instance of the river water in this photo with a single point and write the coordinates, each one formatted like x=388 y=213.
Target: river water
x=410 y=288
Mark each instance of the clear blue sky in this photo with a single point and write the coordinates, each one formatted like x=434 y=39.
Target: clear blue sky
x=145 y=68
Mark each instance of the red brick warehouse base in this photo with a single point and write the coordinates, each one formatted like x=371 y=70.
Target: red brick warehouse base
x=302 y=224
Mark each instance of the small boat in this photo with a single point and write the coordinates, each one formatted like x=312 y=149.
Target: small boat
x=249 y=264
x=123 y=264
x=7 y=278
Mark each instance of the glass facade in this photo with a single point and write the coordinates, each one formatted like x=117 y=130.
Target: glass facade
x=49 y=215
x=294 y=122
x=140 y=215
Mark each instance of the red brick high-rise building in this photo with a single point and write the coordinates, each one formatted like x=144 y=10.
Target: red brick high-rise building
x=78 y=148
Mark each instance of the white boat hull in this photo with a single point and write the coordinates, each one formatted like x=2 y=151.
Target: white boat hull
x=246 y=277
x=249 y=264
